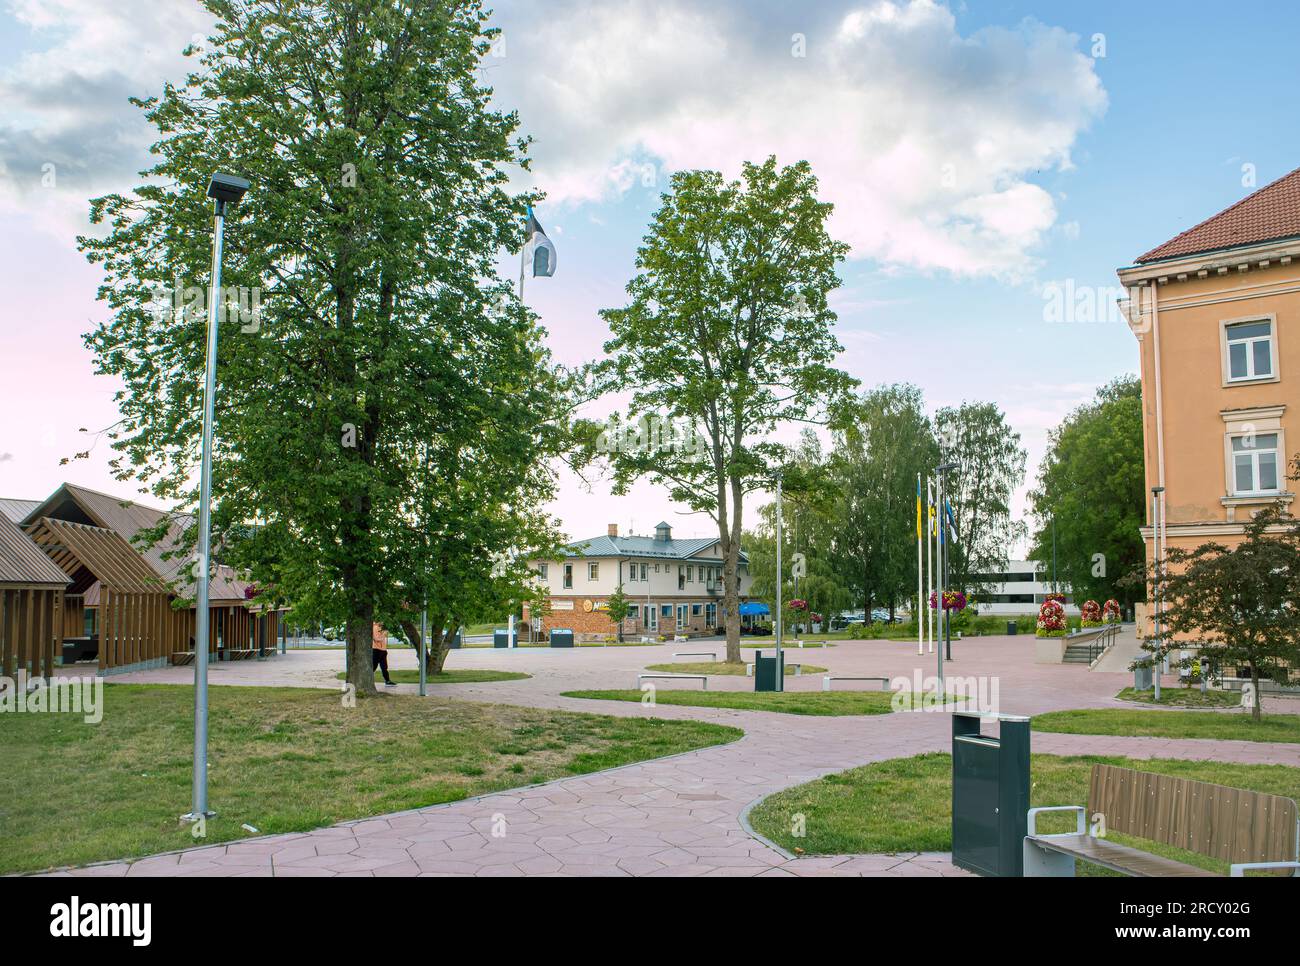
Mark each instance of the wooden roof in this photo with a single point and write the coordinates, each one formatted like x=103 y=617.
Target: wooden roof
x=87 y=554
x=22 y=561
x=127 y=518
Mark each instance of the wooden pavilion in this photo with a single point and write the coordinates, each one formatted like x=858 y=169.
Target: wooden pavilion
x=31 y=605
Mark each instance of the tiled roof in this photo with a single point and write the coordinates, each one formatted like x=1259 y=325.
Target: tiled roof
x=22 y=562
x=642 y=547
x=1270 y=213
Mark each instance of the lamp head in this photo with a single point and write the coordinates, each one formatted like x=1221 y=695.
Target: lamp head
x=945 y=467
x=227 y=188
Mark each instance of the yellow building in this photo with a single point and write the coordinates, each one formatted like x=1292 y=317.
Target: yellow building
x=1216 y=312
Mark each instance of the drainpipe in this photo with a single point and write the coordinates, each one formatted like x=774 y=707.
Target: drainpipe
x=1159 y=530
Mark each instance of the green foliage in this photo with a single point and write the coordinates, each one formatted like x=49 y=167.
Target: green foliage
x=727 y=329
x=1091 y=483
x=617 y=606
x=885 y=440
x=1236 y=605
x=992 y=466
x=385 y=419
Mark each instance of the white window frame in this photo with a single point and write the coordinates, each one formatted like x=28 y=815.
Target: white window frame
x=1278 y=457
x=593 y=571
x=1273 y=376
x=544 y=571
x=651 y=617
x=645 y=571
x=711 y=615
x=568 y=576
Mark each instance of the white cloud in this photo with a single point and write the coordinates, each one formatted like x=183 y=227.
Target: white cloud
x=924 y=139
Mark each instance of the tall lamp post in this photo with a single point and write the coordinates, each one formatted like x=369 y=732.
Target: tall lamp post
x=780 y=592
x=223 y=189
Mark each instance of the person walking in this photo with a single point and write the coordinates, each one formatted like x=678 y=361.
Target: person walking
x=379 y=650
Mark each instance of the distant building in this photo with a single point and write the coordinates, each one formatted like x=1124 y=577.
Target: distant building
x=1018 y=590
x=674 y=586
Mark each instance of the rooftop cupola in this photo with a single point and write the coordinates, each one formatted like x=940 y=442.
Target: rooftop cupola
x=663 y=532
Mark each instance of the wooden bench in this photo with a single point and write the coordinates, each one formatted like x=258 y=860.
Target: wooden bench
x=711 y=655
x=702 y=678
x=1247 y=829
x=828 y=678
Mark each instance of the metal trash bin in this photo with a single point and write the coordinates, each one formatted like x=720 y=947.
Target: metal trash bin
x=561 y=637
x=501 y=637
x=1143 y=679
x=990 y=793
x=1011 y=628
x=767 y=676
x=453 y=640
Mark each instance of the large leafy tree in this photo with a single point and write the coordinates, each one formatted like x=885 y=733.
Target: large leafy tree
x=1090 y=488
x=728 y=328
x=991 y=466
x=886 y=441
x=389 y=362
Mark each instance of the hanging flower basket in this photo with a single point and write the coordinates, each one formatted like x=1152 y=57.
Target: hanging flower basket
x=953 y=600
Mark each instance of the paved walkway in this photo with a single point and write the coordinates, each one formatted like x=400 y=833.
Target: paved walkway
x=674 y=816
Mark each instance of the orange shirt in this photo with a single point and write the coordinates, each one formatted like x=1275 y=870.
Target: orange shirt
x=378 y=637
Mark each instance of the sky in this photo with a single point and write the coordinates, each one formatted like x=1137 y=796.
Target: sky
x=983 y=158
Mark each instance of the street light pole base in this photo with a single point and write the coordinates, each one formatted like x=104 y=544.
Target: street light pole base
x=191 y=817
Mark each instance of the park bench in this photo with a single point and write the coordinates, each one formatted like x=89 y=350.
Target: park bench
x=80 y=649
x=702 y=678
x=1247 y=829
x=711 y=655
x=828 y=678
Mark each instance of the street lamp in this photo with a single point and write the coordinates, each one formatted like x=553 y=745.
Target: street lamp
x=780 y=593
x=223 y=189
x=1157 y=493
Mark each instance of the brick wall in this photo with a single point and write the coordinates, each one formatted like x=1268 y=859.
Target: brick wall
x=596 y=623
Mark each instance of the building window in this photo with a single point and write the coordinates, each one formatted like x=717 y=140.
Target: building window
x=1249 y=347
x=695 y=610
x=544 y=571
x=633 y=612
x=666 y=610
x=631 y=571
x=656 y=568
x=711 y=614
x=568 y=576
x=690 y=575
x=593 y=571
x=645 y=571
x=651 y=617
x=1254 y=464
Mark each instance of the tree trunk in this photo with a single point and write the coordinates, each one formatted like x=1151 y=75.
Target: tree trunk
x=436 y=655
x=361 y=672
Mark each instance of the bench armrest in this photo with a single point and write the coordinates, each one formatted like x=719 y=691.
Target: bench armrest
x=1034 y=812
x=1238 y=869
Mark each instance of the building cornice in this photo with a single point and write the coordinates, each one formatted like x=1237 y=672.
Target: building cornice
x=1221 y=262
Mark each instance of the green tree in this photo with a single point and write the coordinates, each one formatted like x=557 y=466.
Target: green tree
x=991 y=467
x=1091 y=489
x=727 y=330
x=885 y=442
x=1236 y=605
x=618 y=606
x=379 y=207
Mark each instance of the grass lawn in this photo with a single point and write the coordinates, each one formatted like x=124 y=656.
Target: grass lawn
x=1183 y=698
x=788 y=702
x=1219 y=725
x=283 y=760
x=468 y=675
x=905 y=804
x=722 y=667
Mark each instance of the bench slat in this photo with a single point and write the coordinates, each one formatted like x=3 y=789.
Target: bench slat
x=1119 y=858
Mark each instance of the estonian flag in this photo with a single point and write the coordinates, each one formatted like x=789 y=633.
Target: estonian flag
x=543 y=249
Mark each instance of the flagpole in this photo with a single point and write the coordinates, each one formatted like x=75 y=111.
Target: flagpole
x=523 y=252
x=929 y=539
x=920 y=585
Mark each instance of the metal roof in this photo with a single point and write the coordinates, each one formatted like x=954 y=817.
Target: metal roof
x=635 y=546
x=22 y=561
x=17 y=510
